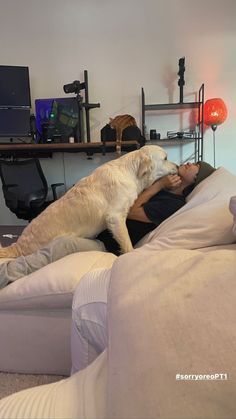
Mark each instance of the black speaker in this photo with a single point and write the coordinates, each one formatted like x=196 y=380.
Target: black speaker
x=133 y=133
x=33 y=129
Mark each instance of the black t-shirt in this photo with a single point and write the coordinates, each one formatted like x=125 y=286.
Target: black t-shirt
x=157 y=209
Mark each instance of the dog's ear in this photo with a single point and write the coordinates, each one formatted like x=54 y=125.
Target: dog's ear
x=145 y=166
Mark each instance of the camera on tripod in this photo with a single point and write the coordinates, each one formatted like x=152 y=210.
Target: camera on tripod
x=76 y=87
x=73 y=87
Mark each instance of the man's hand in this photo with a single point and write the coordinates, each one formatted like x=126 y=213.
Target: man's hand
x=170 y=182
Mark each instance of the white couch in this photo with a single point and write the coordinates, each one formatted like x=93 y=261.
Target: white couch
x=35 y=315
x=35 y=311
x=171 y=313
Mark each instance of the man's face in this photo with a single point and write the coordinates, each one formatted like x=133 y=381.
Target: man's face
x=188 y=172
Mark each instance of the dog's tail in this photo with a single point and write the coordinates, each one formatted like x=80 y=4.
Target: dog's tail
x=12 y=251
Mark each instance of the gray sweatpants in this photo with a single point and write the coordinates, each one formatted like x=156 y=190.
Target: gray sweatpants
x=57 y=249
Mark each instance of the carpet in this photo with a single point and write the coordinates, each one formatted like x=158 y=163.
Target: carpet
x=11 y=383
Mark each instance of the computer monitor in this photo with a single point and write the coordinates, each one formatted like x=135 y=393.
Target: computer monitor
x=14 y=86
x=56 y=118
x=14 y=122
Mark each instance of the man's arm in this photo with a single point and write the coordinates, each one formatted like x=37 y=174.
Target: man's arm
x=137 y=212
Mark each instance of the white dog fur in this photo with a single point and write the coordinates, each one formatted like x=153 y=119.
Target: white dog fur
x=99 y=201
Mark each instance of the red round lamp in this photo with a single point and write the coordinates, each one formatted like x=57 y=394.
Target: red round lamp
x=215 y=113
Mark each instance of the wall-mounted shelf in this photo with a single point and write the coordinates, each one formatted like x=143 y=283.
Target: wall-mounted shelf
x=174 y=142
x=164 y=106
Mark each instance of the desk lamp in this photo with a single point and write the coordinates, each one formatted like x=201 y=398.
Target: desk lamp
x=215 y=113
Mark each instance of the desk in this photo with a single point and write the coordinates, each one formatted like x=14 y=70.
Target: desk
x=46 y=150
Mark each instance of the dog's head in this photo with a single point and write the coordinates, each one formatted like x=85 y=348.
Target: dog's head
x=154 y=164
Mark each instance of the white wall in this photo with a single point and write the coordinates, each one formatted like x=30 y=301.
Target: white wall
x=125 y=45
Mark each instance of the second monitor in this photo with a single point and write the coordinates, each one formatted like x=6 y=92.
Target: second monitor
x=56 y=119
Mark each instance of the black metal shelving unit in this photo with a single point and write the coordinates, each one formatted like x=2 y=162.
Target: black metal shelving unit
x=199 y=105
x=197 y=140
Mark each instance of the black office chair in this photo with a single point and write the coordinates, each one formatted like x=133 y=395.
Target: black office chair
x=25 y=187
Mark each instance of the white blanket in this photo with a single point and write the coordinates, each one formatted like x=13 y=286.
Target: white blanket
x=174 y=313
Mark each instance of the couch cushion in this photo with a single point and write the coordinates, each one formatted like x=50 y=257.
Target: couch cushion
x=204 y=221
x=177 y=316
x=53 y=285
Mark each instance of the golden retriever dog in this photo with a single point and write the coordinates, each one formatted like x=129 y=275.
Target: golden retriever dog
x=99 y=201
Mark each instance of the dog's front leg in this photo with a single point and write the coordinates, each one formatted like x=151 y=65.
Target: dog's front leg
x=117 y=225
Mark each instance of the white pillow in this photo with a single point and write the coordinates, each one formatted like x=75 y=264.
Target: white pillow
x=232 y=207
x=53 y=285
x=204 y=221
